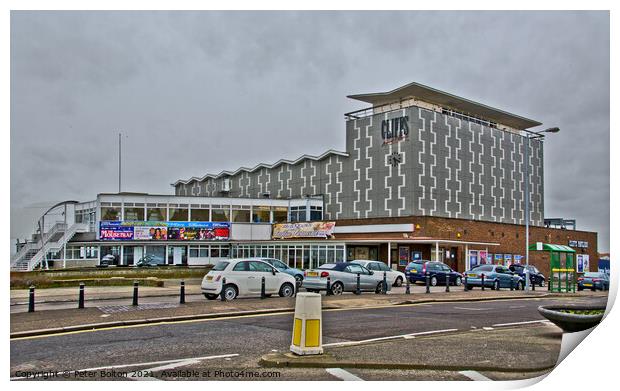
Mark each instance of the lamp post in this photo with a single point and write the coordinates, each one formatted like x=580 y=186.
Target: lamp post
x=529 y=136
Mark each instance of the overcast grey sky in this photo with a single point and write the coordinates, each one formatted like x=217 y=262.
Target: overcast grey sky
x=198 y=92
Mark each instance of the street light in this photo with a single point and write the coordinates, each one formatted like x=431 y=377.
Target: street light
x=530 y=135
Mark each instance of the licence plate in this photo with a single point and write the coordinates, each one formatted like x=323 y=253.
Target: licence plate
x=587 y=284
x=472 y=275
x=413 y=271
x=209 y=278
x=313 y=274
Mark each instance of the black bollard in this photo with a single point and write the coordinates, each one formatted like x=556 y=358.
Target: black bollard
x=31 y=299
x=262 y=288
x=358 y=290
x=482 y=281
x=533 y=284
x=512 y=282
x=384 y=285
x=182 y=298
x=135 y=293
x=407 y=288
x=447 y=282
x=498 y=284
x=81 y=296
x=222 y=297
x=428 y=282
x=465 y=284
x=297 y=286
x=329 y=286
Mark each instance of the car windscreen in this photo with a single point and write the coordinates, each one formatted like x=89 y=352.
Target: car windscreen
x=592 y=275
x=220 y=266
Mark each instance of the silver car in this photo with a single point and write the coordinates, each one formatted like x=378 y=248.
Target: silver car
x=394 y=277
x=343 y=278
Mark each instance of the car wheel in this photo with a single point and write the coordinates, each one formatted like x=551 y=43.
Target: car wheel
x=542 y=283
x=287 y=290
x=230 y=292
x=398 y=282
x=379 y=288
x=433 y=281
x=210 y=296
x=299 y=278
x=579 y=288
x=495 y=285
x=458 y=281
x=337 y=288
x=520 y=286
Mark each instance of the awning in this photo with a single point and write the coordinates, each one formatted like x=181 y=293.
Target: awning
x=552 y=247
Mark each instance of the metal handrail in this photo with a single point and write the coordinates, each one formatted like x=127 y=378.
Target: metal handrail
x=47 y=246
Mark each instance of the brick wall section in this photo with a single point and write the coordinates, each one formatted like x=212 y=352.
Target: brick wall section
x=511 y=237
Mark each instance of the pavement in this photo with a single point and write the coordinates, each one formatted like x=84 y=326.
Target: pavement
x=528 y=348
x=103 y=313
x=449 y=340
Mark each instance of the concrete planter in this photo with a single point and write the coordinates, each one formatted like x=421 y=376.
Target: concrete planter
x=569 y=322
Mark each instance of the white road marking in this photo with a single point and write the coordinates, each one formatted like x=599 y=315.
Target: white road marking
x=473 y=375
x=472 y=309
x=518 y=323
x=516 y=306
x=163 y=368
x=411 y=336
x=342 y=374
x=147 y=363
x=406 y=336
x=488 y=328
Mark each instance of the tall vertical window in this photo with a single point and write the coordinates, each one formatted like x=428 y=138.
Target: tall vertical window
x=298 y=213
x=316 y=213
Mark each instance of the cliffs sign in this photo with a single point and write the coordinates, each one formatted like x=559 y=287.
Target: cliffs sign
x=394 y=129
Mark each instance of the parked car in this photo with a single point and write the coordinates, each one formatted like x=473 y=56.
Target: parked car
x=593 y=281
x=343 y=278
x=394 y=277
x=437 y=273
x=108 y=260
x=283 y=267
x=147 y=261
x=243 y=278
x=536 y=277
x=495 y=277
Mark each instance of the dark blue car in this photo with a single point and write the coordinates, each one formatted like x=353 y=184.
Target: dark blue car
x=437 y=273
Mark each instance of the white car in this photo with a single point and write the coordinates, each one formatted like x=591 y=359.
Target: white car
x=243 y=278
x=394 y=277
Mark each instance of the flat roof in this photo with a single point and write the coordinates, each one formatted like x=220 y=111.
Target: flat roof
x=444 y=99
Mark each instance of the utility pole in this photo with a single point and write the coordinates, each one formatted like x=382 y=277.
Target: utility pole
x=119 y=162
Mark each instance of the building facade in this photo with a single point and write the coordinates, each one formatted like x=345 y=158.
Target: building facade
x=425 y=175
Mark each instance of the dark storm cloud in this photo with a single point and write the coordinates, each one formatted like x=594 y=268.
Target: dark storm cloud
x=198 y=92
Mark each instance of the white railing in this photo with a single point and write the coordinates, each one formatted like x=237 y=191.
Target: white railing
x=51 y=246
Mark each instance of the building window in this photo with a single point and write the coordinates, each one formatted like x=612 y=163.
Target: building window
x=156 y=214
x=134 y=214
x=110 y=213
x=241 y=216
x=280 y=214
x=316 y=213
x=298 y=213
x=200 y=215
x=179 y=214
x=220 y=215
x=260 y=214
